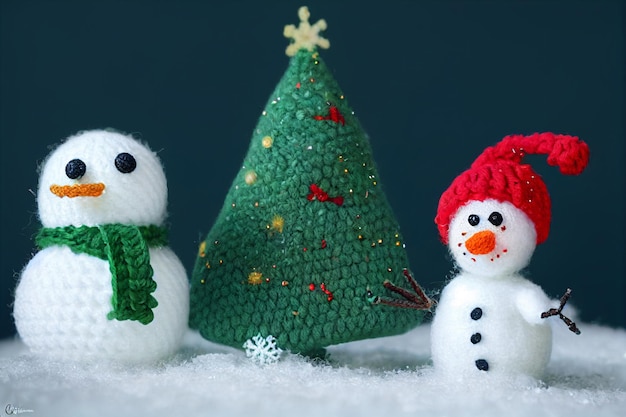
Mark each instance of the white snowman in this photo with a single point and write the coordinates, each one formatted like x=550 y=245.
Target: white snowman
x=489 y=319
x=104 y=285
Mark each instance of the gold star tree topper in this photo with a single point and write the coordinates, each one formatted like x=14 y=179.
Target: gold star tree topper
x=305 y=36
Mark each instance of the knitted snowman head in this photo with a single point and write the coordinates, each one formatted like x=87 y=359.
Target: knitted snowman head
x=506 y=189
x=94 y=178
x=104 y=284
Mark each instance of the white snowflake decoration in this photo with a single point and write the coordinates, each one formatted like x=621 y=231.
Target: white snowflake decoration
x=305 y=36
x=262 y=350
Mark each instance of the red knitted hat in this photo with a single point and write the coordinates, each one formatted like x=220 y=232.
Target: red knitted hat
x=499 y=173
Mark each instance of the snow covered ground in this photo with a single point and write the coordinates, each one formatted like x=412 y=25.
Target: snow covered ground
x=378 y=377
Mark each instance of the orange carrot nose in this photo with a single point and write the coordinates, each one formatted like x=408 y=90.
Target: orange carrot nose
x=481 y=243
x=78 y=190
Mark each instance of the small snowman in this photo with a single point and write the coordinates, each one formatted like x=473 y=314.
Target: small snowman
x=104 y=285
x=491 y=320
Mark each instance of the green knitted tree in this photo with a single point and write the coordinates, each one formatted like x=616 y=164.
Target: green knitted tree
x=306 y=248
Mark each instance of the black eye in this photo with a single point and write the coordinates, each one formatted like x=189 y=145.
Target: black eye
x=125 y=163
x=473 y=219
x=495 y=218
x=75 y=169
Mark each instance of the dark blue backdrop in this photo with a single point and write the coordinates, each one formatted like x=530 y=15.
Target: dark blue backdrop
x=432 y=82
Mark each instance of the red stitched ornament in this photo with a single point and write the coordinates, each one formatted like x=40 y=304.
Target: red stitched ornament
x=333 y=114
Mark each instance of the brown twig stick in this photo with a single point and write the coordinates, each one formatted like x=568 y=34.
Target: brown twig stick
x=558 y=312
x=417 y=301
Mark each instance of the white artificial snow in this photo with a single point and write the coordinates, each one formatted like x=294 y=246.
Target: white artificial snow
x=262 y=350
x=378 y=377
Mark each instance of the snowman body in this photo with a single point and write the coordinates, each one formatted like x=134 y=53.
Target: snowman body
x=492 y=325
x=488 y=320
x=64 y=298
x=103 y=181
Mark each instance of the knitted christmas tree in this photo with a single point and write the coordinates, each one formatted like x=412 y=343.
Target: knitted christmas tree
x=306 y=248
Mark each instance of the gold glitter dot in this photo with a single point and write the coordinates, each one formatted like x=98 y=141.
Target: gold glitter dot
x=234 y=205
x=284 y=283
x=341 y=97
x=360 y=237
x=346 y=171
x=278 y=222
x=295 y=312
x=312 y=79
x=380 y=241
x=202 y=249
x=256 y=204
x=264 y=113
x=207 y=265
x=267 y=141
x=250 y=177
x=373 y=244
x=202 y=281
x=340 y=158
x=374 y=183
x=388 y=269
x=398 y=243
x=217 y=242
x=221 y=261
x=254 y=278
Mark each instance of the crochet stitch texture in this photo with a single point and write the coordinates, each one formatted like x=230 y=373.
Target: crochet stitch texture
x=499 y=173
x=306 y=238
x=126 y=250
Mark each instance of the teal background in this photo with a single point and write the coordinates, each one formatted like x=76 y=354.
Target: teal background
x=433 y=83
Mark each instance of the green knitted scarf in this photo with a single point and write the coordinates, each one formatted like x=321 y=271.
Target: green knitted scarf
x=126 y=250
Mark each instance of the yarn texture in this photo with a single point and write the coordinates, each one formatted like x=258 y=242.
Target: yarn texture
x=490 y=321
x=499 y=173
x=306 y=238
x=126 y=250
x=104 y=285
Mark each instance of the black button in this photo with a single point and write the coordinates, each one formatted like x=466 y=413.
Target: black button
x=476 y=313
x=473 y=219
x=125 y=163
x=75 y=169
x=475 y=338
x=482 y=365
x=495 y=218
